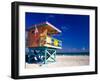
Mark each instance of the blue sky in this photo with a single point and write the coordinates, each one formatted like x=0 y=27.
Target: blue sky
x=75 y=29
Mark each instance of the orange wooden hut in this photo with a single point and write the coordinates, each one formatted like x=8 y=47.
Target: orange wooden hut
x=40 y=35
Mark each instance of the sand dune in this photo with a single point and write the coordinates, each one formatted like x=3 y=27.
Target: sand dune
x=63 y=61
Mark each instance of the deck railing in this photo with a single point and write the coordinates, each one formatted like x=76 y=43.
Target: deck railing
x=53 y=42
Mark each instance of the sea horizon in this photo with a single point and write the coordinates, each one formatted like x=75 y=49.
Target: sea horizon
x=73 y=53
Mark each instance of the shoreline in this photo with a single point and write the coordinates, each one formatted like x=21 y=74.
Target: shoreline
x=63 y=61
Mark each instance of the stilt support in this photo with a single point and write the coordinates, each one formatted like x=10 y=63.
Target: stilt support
x=41 y=55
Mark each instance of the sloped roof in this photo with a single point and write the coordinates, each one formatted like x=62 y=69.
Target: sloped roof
x=46 y=25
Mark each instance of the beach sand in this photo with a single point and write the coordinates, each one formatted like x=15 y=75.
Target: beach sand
x=63 y=61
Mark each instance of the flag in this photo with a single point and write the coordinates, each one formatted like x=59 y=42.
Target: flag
x=36 y=30
x=36 y=36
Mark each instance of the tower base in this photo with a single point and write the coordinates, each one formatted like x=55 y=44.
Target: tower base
x=42 y=55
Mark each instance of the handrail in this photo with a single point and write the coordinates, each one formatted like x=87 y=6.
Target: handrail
x=54 y=41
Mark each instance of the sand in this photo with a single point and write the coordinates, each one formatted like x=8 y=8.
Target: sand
x=63 y=61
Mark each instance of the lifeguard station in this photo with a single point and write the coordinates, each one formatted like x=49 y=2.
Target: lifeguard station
x=41 y=44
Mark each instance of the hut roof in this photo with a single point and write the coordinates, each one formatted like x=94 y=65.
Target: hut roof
x=46 y=25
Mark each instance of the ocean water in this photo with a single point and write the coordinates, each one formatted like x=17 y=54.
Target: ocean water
x=75 y=53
